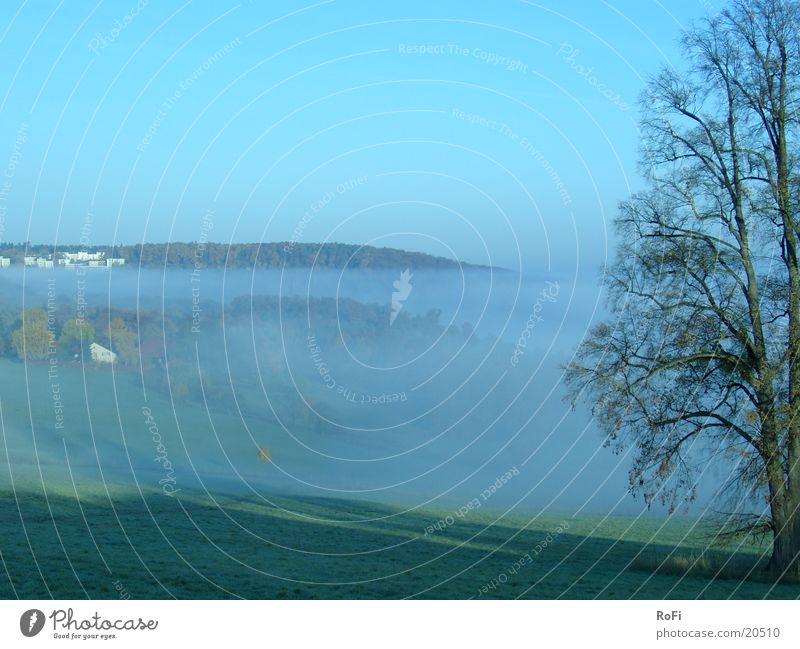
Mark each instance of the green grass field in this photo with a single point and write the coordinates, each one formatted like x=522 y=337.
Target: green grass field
x=101 y=542
x=70 y=531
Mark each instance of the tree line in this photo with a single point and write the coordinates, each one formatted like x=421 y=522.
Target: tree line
x=245 y=255
x=36 y=335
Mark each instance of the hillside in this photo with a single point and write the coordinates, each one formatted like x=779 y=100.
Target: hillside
x=247 y=255
x=101 y=540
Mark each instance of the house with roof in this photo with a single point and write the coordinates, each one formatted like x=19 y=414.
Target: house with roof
x=101 y=354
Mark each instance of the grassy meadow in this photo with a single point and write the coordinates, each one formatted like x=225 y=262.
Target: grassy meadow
x=104 y=542
x=84 y=514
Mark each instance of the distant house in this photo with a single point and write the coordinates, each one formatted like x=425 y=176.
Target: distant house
x=40 y=262
x=101 y=355
x=5 y=262
x=83 y=258
x=82 y=255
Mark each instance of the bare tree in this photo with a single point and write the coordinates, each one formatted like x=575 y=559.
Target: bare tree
x=702 y=362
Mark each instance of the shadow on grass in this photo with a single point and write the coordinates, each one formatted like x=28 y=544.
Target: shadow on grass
x=189 y=547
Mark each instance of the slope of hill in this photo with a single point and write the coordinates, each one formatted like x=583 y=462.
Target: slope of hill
x=248 y=255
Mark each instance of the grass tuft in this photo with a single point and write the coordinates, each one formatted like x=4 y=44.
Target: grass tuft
x=710 y=565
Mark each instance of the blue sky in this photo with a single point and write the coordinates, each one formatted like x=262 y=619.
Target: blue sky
x=491 y=131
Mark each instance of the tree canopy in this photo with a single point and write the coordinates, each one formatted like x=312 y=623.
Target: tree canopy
x=31 y=341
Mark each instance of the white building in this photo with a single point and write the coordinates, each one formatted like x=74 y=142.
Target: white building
x=101 y=354
x=39 y=262
x=88 y=260
x=82 y=255
x=5 y=262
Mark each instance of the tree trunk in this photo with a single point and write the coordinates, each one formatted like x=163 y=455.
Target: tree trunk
x=785 y=560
